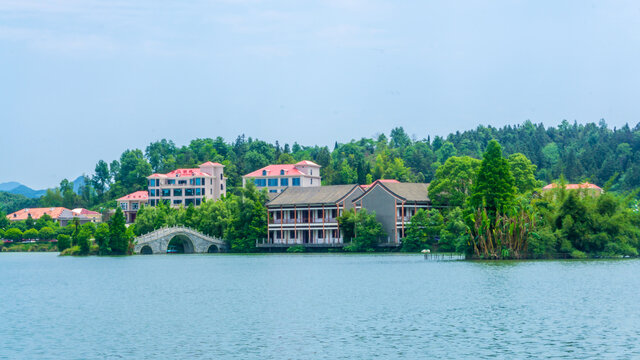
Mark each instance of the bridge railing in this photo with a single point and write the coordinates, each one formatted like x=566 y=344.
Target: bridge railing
x=171 y=229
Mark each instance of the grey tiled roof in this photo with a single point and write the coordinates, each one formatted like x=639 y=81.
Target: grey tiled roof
x=409 y=191
x=312 y=195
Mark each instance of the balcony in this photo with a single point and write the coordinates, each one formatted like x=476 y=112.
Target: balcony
x=303 y=221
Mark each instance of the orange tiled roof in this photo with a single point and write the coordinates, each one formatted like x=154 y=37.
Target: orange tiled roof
x=585 y=185
x=274 y=170
x=37 y=213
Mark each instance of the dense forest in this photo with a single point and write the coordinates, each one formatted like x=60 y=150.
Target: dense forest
x=590 y=152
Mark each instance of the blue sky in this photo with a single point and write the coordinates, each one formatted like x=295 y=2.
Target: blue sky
x=83 y=80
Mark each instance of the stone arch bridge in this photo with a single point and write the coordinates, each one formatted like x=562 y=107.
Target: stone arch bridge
x=157 y=242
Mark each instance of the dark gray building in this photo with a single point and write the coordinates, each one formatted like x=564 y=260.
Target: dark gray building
x=308 y=215
x=394 y=204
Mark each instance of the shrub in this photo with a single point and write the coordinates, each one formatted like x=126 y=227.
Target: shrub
x=577 y=254
x=30 y=234
x=64 y=241
x=296 y=249
x=46 y=233
x=13 y=234
x=74 y=250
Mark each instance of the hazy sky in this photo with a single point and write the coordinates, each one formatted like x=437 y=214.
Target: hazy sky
x=83 y=80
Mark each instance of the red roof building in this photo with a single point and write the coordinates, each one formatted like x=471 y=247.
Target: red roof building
x=131 y=203
x=183 y=187
x=276 y=178
x=584 y=186
x=60 y=214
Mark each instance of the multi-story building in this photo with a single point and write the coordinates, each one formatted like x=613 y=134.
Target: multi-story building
x=308 y=216
x=130 y=204
x=394 y=203
x=183 y=187
x=276 y=178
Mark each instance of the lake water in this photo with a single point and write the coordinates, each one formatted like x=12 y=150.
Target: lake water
x=315 y=307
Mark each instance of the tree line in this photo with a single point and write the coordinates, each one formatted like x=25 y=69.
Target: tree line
x=592 y=152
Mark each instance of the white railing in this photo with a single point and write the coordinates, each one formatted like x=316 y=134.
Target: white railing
x=173 y=229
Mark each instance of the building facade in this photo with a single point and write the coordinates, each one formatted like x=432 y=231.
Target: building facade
x=61 y=215
x=394 y=203
x=308 y=216
x=276 y=178
x=130 y=204
x=183 y=187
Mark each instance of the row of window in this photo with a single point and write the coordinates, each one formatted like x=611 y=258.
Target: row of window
x=304 y=234
x=291 y=214
x=187 y=202
x=192 y=181
x=274 y=182
x=179 y=192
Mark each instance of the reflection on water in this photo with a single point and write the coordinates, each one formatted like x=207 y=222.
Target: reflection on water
x=315 y=306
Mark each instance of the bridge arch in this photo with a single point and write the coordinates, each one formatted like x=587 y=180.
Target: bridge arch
x=185 y=239
x=146 y=250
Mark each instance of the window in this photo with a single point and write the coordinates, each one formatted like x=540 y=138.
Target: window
x=153 y=202
x=273 y=191
x=189 y=192
x=134 y=206
x=311 y=181
x=198 y=201
x=191 y=181
x=123 y=206
x=177 y=192
x=295 y=181
x=264 y=172
x=166 y=192
x=220 y=176
x=221 y=187
x=260 y=182
x=292 y=234
x=182 y=182
x=152 y=192
x=272 y=182
x=177 y=202
x=281 y=172
x=199 y=191
x=284 y=182
x=171 y=181
x=188 y=201
x=197 y=181
x=152 y=182
x=310 y=171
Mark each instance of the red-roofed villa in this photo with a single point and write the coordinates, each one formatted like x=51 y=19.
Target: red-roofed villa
x=276 y=178
x=130 y=204
x=588 y=187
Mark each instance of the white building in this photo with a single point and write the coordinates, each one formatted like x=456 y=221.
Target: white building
x=276 y=178
x=183 y=187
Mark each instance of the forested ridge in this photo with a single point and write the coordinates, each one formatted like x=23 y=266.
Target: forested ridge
x=579 y=152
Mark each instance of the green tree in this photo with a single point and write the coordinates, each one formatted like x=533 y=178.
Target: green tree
x=102 y=177
x=83 y=241
x=29 y=222
x=523 y=172
x=30 y=234
x=494 y=188
x=118 y=241
x=46 y=233
x=13 y=234
x=453 y=181
x=102 y=239
x=64 y=242
x=368 y=232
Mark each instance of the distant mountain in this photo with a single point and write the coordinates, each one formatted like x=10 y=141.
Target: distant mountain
x=78 y=183
x=14 y=187
x=27 y=191
x=9 y=185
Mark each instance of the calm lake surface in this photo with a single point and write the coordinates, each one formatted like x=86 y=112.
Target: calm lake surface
x=315 y=307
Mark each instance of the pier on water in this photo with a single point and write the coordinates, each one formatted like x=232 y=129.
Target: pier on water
x=443 y=256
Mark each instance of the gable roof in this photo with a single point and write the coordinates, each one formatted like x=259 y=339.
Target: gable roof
x=415 y=192
x=209 y=163
x=585 y=185
x=138 y=195
x=365 y=187
x=331 y=194
x=274 y=170
x=37 y=213
x=307 y=163
x=83 y=211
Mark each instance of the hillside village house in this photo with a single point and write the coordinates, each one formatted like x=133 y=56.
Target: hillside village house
x=93 y=216
x=394 y=203
x=130 y=204
x=183 y=187
x=588 y=188
x=308 y=215
x=276 y=178
x=59 y=214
